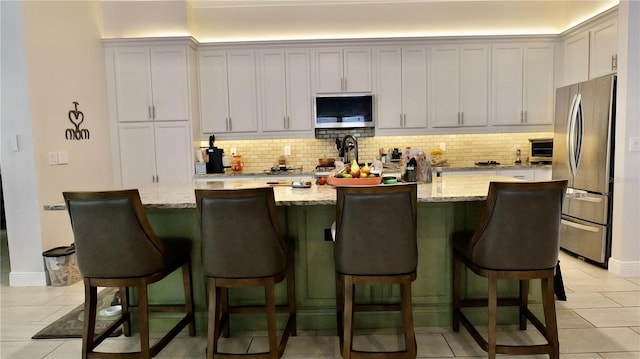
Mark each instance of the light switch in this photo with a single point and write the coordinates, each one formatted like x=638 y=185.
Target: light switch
x=53 y=158
x=634 y=144
x=63 y=157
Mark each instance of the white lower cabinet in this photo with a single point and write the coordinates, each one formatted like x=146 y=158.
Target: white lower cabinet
x=155 y=152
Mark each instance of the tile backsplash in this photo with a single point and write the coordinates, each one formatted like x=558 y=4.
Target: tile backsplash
x=460 y=150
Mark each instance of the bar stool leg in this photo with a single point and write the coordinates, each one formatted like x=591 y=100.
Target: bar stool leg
x=549 y=305
x=124 y=301
x=143 y=304
x=493 y=315
x=340 y=307
x=270 y=299
x=524 y=302
x=214 y=317
x=348 y=317
x=89 y=326
x=407 y=319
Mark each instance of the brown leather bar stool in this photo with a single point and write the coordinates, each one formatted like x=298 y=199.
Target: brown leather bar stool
x=116 y=247
x=242 y=246
x=517 y=238
x=376 y=243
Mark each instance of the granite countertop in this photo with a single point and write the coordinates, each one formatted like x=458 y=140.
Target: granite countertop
x=444 y=189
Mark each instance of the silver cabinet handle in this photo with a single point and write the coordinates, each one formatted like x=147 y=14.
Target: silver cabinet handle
x=153 y=111
x=284 y=121
x=462 y=118
x=401 y=119
x=525 y=116
x=149 y=112
x=404 y=119
x=579 y=226
x=288 y=122
x=614 y=62
x=230 y=124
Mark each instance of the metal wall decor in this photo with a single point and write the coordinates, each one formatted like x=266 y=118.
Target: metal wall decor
x=76 y=118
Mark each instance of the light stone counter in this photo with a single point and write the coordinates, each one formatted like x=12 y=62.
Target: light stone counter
x=444 y=189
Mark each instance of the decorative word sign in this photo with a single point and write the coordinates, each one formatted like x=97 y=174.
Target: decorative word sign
x=76 y=118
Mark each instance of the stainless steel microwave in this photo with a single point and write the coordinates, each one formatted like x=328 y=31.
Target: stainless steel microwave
x=344 y=111
x=541 y=150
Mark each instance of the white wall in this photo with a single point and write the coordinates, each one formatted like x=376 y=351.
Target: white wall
x=123 y=19
x=54 y=57
x=18 y=168
x=626 y=223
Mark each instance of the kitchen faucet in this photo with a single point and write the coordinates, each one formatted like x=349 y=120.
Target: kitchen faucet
x=348 y=143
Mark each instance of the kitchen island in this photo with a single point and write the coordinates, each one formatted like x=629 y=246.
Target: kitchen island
x=448 y=204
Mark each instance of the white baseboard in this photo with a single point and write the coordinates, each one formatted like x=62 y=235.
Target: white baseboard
x=28 y=279
x=624 y=268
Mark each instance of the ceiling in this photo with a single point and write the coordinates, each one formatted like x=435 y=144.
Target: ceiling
x=246 y=20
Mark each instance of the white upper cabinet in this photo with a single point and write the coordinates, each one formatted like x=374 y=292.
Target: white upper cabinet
x=459 y=85
x=285 y=90
x=576 y=58
x=401 y=88
x=343 y=70
x=604 y=49
x=151 y=83
x=522 y=84
x=228 y=91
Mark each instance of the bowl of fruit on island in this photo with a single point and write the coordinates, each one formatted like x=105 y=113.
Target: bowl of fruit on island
x=354 y=175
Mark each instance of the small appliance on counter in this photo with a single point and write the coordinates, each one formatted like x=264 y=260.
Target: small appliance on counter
x=214 y=157
x=541 y=150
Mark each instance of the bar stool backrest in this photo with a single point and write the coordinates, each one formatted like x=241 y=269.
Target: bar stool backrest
x=376 y=230
x=520 y=226
x=241 y=235
x=113 y=238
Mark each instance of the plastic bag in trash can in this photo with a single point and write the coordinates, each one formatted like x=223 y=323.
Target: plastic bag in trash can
x=61 y=266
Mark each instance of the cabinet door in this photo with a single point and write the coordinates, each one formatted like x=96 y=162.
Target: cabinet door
x=414 y=87
x=299 y=99
x=328 y=70
x=445 y=86
x=389 y=88
x=274 y=91
x=214 y=95
x=137 y=154
x=604 y=49
x=576 y=58
x=474 y=85
x=286 y=90
x=357 y=70
x=173 y=152
x=241 y=76
x=507 y=84
x=133 y=84
x=538 y=93
x=170 y=83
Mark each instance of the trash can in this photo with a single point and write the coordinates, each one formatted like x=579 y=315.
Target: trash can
x=61 y=266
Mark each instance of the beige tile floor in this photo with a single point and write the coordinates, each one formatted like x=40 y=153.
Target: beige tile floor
x=601 y=319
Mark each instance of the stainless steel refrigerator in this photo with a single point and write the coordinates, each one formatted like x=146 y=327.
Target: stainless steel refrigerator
x=583 y=148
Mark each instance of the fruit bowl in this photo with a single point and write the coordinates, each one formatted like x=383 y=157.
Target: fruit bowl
x=354 y=182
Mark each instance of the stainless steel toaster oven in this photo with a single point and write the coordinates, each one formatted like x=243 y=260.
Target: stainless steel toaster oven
x=541 y=150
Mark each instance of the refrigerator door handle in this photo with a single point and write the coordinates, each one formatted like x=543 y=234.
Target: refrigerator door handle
x=579 y=132
x=570 y=135
x=579 y=226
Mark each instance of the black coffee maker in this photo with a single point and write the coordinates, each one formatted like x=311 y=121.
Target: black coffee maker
x=214 y=154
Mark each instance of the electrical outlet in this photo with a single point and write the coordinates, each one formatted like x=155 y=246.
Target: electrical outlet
x=53 y=158
x=63 y=157
x=233 y=151
x=443 y=146
x=287 y=150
